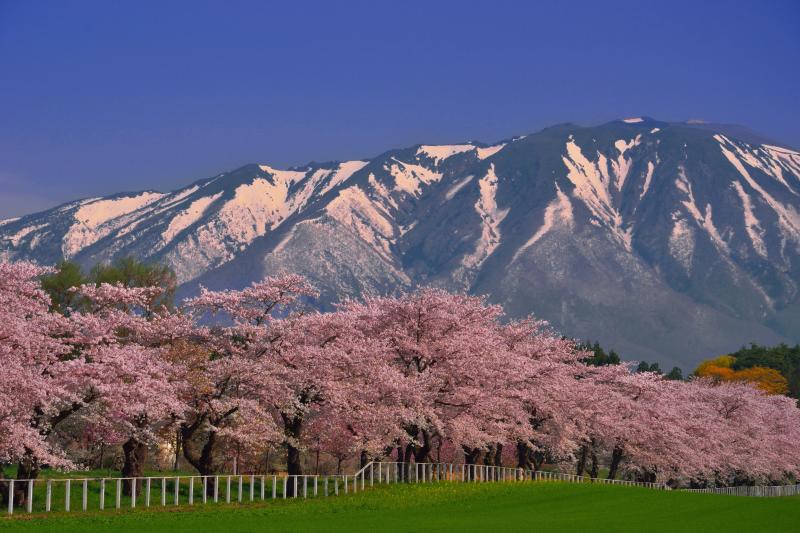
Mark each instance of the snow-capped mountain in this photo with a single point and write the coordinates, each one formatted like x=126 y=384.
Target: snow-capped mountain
x=667 y=241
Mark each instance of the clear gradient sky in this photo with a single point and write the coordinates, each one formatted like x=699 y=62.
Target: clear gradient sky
x=105 y=96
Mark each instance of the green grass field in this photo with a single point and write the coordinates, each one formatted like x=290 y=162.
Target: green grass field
x=453 y=507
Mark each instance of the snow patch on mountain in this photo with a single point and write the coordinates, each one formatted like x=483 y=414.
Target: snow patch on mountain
x=344 y=171
x=491 y=217
x=380 y=190
x=633 y=120
x=255 y=207
x=17 y=237
x=705 y=220
x=176 y=198
x=591 y=181
x=622 y=165
x=788 y=217
x=751 y=224
x=353 y=209
x=783 y=159
x=681 y=242
x=460 y=184
x=96 y=219
x=559 y=210
x=409 y=178
x=648 y=177
x=489 y=151
x=188 y=216
x=441 y=152
x=762 y=160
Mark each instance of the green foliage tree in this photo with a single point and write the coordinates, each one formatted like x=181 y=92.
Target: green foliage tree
x=644 y=366
x=59 y=283
x=783 y=358
x=676 y=374
x=131 y=272
x=600 y=357
x=128 y=271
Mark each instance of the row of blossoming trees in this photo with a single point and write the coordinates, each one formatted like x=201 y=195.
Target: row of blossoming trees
x=385 y=376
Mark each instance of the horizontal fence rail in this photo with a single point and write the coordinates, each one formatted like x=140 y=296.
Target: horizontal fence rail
x=71 y=494
x=757 y=490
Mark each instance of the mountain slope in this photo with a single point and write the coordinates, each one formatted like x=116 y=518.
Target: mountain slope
x=666 y=240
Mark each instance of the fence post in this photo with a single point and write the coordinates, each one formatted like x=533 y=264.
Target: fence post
x=102 y=495
x=252 y=487
x=262 y=488
x=274 y=487
x=285 y=485
x=11 y=497
x=49 y=496
x=216 y=489
x=163 y=491
x=177 y=490
x=325 y=486
x=147 y=488
x=191 y=490
x=205 y=489
x=67 y=496
x=228 y=490
x=345 y=483
x=305 y=486
x=241 y=486
x=316 y=482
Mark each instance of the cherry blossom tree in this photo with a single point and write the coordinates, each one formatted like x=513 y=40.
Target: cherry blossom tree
x=453 y=360
x=239 y=383
x=427 y=373
x=128 y=336
x=42 y=384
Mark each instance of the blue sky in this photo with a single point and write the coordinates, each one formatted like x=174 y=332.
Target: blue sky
x=101 y=97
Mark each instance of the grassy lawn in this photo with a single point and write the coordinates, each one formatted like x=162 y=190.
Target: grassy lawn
x=454 y=507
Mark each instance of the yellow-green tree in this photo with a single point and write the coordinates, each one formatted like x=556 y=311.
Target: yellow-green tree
x=720 y=369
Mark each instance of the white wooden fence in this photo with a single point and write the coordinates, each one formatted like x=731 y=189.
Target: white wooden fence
x=69 y=494
x=758 y=490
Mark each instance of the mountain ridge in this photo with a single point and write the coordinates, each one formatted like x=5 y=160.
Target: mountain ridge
x=666 y=240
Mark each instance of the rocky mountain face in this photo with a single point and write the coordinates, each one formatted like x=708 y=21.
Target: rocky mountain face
x=668 y=241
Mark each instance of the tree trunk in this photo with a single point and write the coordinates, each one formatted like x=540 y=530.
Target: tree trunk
x=523 y=455
x=498 y=455
x=203 y=460
x=408 y=456
x=616 y=458
x=581 y=465
x=401 y=460
x=135 y=454
x=488 y=457
x=422 y=453
x=363 y=459
x=27 y=468
x=177 y=450
x=292 y=427
x=471 y=457
x=593 y=472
